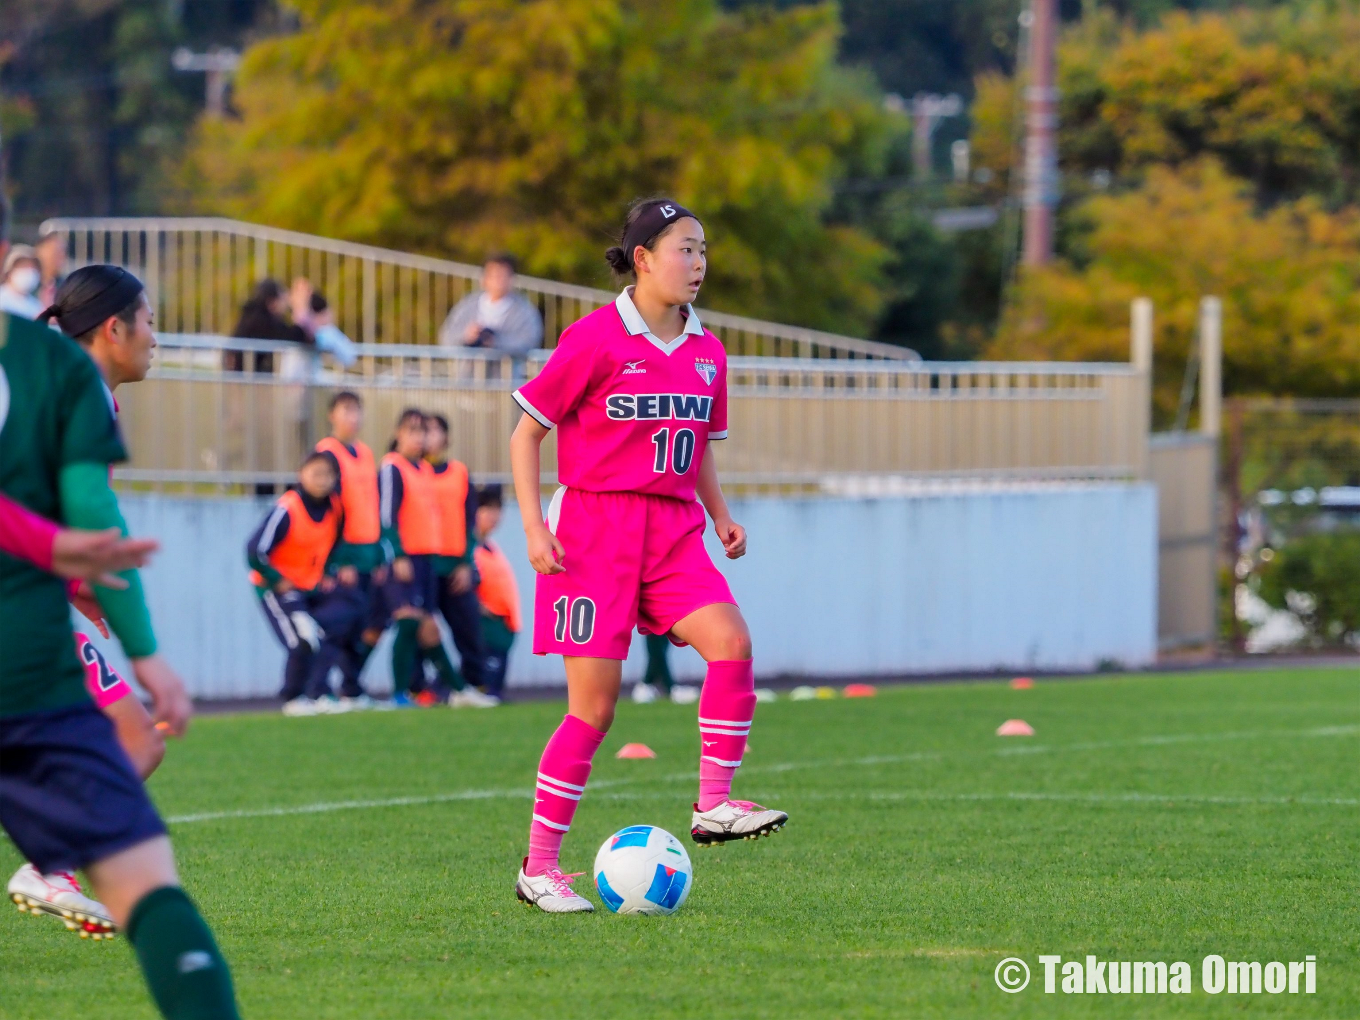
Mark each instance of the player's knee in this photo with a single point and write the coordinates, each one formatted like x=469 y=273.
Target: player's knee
x=154 y=754
x=732 y=645
x=428 y=634
x=601 y=715
x=147 y=750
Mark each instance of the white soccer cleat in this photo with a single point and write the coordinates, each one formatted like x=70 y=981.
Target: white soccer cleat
x=551 y=891
x=60 y=895
x=299 y=707
x=734 y=819
x=362 y=703
x=470 y=697
x=682 y=694
x=332 y=706
x=644 y=694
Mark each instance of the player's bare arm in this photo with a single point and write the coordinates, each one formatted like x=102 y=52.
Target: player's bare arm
x=709 y=490
x=99 y=555
x=545 y=551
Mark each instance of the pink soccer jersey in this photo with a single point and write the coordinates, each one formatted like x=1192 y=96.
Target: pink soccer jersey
x=633 y=414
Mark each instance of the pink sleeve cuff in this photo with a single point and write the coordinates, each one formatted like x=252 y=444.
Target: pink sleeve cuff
x=26 y=535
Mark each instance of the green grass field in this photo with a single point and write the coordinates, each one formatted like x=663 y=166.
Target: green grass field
x=362 y=866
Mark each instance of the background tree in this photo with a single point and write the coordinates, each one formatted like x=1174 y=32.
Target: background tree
x=1289 y=279
x=93 y=114
x=463 y=126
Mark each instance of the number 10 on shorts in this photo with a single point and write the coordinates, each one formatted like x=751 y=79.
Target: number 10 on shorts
x=576 y=615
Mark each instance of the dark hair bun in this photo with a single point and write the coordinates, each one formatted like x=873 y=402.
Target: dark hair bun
x=618 y=260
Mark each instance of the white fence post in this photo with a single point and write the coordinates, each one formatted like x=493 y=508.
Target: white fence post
x=1211 y=366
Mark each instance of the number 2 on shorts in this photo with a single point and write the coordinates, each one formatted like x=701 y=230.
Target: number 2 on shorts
x=579 y=613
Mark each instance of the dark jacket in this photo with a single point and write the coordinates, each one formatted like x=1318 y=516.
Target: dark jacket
x=257 y=322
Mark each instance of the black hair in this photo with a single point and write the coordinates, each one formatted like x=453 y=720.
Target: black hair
x=489 y=494
x=92 y=295
x=408 y=415
x=439 y=420
x=319 y=302
x=267 y=291
x=346 y=397
x=503 y=258
x=317 y=458
x=620 y=256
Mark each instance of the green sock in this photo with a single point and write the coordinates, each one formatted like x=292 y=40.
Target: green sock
x=183 y=968
x=658 y=668
x=404 y=655
x=447 y=673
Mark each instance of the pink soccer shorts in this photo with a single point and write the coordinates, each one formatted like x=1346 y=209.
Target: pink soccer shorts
x=631 y=561
x=101 y=679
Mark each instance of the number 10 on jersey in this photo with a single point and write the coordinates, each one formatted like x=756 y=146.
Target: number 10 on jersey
x=678 y=455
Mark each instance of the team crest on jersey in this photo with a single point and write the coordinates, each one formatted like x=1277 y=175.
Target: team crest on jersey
x=707 y=369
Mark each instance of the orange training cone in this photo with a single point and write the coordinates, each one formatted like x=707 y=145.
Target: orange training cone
x=1021 y=683
x=1015 y=728
x=635 y=751
x=860 y=690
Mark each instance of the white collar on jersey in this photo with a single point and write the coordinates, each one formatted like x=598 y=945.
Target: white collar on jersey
x=637 y=326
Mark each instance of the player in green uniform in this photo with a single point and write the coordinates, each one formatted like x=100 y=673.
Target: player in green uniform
x=69 y=797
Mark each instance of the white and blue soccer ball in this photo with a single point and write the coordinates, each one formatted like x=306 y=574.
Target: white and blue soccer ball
x=643 y=870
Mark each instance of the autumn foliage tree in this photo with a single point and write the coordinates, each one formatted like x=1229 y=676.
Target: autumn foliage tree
x=458 y=127
x=1289 y=279
x=1230 y=152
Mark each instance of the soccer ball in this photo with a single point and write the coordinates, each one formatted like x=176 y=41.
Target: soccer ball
x=643 y=870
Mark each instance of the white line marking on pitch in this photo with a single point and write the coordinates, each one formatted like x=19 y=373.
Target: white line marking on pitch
x=526 y=793
x=1095 y=798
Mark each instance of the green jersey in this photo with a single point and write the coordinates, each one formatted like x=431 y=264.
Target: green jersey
x=54 y=411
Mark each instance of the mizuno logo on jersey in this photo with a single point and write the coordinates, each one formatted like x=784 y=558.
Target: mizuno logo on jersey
x=635 y=367
x=659 y=406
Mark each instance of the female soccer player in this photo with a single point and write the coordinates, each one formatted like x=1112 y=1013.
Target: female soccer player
x=105 y=309
x=69 y=797
x=409 y=514
x=638 y=389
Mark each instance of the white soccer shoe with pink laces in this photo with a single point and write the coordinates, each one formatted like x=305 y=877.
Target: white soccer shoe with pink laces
x=734 y=819
x=60 y=895
x=551 y=891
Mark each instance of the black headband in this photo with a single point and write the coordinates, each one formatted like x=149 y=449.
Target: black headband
x=650 y=222
x=77 y=321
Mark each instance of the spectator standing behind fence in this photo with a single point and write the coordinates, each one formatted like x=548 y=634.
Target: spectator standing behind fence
x=23 y=274
x=263 y=317
x=251 y=442
x=495 y=316
x=51 y=250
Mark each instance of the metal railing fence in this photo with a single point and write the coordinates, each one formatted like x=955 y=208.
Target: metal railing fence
x=796 y=424
x=200 y=270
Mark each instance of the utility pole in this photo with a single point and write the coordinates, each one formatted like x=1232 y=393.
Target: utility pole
x=927 y=109
x=1041 y=129
x=219 y=63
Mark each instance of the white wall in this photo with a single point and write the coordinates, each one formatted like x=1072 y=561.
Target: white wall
x=952 y=578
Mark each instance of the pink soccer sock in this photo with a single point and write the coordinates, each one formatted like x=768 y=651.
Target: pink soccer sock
x=562 y=774
x=727 y=704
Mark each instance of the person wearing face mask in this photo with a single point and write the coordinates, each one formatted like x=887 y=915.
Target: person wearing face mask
x=19 y=292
